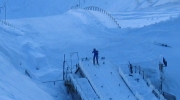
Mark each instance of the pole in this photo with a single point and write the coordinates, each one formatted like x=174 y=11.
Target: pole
x=79 y=3
x=0 y=13
x=71 y=54
x=71 y=60
x=63 y=66
x=161 y=77
x=161 y=84
x=5 y=10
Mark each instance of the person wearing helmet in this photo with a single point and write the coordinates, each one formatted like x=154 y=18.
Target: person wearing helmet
x=95 y=57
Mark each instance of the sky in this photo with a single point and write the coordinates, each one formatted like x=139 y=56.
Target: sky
x=32 y=52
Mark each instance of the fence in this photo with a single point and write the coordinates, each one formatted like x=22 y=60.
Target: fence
x=138 y=69
x=75 y=7
x=135 y=93
x=8 y=24
x=102 y=11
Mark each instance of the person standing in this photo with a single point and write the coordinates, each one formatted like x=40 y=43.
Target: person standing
x=95 y=57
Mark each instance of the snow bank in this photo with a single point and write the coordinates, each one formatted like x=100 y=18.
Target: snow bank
x=15 y=86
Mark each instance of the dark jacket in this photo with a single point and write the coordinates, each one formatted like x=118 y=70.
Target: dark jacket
x=95 y=52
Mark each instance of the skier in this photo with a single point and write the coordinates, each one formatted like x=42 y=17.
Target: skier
x=95 y=57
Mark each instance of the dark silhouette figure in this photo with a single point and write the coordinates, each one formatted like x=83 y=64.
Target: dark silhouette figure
x=165 y=62
x=130 y=69
x=95 y=57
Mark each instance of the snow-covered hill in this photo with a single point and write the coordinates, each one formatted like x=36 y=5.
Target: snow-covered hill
x=35 y=8
x=34 y=52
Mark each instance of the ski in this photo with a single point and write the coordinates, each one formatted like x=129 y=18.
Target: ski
x=96 y=65
x=162 y=44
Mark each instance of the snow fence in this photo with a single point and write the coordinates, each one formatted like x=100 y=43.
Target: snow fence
x=93 y=8
x=8 y=24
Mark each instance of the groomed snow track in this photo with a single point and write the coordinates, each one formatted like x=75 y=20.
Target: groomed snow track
x=106 y=81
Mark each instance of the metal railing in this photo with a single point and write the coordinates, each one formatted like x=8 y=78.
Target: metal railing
x=139 y=70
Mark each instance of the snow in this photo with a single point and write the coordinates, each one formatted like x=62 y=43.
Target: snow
x=16 y=86
x=31 y=54
x=113 y=86
x=84 y=88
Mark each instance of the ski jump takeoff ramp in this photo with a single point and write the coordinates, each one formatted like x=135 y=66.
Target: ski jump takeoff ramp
x=105 y=80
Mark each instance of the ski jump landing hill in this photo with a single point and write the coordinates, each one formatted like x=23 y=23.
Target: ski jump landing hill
x=107 y=82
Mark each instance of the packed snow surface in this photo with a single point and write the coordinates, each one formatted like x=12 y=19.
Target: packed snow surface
x=38 y=34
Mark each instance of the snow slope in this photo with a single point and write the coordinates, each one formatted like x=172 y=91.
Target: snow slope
x=13 y=84
x=41 y=42
x=33 y=8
